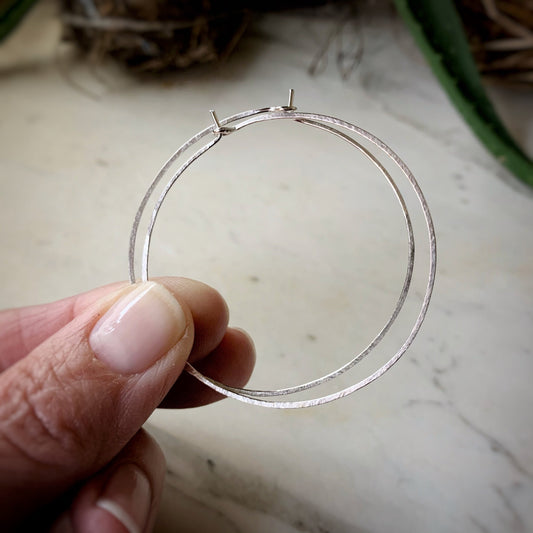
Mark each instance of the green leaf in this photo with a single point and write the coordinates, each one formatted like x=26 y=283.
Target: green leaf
x=11 y=13
x=438 y=31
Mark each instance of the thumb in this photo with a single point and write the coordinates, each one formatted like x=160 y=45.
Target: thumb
x=71 y=405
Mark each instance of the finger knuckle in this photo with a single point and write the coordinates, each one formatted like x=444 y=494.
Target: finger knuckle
x=38 y=418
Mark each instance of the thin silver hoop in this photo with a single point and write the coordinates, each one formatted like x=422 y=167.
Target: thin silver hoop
x=234 y=123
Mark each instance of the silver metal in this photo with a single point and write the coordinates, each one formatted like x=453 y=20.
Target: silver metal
x=223 y=130
x=291 y=99
x=329 y=125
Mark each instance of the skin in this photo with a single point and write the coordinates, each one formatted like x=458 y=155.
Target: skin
x=67 y=422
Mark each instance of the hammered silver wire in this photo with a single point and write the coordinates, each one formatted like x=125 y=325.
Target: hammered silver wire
x=401 y=299
x=221 y=128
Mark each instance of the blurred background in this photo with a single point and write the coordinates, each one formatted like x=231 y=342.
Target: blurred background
x=301 y=236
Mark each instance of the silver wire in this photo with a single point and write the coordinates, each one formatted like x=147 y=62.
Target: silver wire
x=247 y=118
x=403 y=293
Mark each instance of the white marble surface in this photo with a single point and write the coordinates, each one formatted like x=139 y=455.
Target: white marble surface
x=307 y=246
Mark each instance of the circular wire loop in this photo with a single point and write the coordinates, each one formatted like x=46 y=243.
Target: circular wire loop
x=330 y=125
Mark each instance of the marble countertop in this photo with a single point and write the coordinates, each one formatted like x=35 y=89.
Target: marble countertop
x=307 y=245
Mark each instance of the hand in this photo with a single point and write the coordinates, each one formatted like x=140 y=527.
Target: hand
x=79 y=377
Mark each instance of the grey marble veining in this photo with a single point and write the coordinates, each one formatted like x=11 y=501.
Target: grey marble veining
x=235 y=499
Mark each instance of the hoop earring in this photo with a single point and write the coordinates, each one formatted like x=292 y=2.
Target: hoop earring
x=334 y=126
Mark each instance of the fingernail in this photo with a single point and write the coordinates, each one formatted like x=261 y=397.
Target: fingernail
x=128 y=497
x=138 y=329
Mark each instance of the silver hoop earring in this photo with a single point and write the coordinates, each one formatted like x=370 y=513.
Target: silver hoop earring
x=344 y=131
